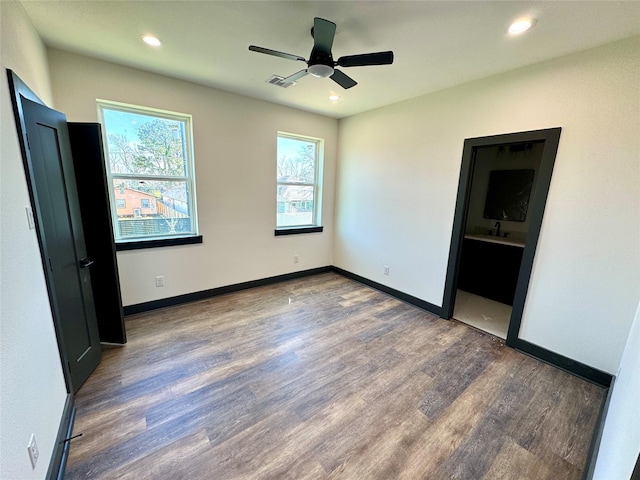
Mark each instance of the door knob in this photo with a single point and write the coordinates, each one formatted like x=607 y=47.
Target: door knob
x=85 y=262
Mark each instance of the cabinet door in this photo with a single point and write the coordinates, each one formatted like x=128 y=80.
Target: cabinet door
x=489 y=270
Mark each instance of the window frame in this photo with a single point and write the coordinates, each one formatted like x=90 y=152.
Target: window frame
x=316 y=219
x=147 y=241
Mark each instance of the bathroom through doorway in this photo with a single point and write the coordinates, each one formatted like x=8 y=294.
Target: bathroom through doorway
x=504 y=182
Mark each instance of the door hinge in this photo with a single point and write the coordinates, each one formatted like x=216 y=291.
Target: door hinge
x=50 y=264
x=28 y=143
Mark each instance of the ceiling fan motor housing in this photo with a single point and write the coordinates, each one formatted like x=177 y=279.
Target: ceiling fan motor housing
x=320 y=64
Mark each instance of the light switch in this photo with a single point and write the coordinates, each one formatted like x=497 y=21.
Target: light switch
x=32 y=223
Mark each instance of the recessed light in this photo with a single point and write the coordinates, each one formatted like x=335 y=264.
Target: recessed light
x=151 y=40
x=334 y=98
x=521 y=26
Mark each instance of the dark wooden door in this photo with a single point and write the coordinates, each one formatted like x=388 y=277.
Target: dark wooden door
x=62 y=239
x=93 y=193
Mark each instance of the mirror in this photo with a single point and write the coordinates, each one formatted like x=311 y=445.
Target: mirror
x=508 y=195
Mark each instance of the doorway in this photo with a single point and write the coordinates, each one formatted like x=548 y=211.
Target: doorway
x=502 y=193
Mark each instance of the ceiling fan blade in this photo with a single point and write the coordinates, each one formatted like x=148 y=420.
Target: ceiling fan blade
x=275 y=53
x=378 y=58
x=295 y=76
x=323 y=33
x=342 y=79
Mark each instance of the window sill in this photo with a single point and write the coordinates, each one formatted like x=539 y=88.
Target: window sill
x=297 y=230
x=159 y=242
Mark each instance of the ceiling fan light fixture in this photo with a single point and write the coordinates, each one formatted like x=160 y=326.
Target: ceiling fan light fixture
x=320 y=70
x=151 y=40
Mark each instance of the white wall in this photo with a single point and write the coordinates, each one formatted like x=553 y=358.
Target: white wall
x=235 y=153
x=620 y=442
x=398 y=178
x=32 y=387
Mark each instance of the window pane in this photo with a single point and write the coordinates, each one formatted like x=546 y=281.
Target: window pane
x=145 y=145
x=295 y=205
x=151 y=208
x=296 y=160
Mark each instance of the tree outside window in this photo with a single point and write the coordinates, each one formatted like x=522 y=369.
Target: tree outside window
x=298 y=184
x=151 y=171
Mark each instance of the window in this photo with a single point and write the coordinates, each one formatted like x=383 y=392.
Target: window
x=150 y=168
x=299 y=184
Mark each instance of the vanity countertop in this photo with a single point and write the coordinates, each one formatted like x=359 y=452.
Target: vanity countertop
x=514 y=242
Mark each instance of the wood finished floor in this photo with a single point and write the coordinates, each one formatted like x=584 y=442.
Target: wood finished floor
x=324 y=378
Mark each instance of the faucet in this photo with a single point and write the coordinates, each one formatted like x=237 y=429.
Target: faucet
x=497 y=225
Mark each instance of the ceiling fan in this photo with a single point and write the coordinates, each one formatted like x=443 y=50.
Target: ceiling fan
x=321 y=63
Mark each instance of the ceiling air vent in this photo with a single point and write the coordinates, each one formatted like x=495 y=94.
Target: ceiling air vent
x=279 y=81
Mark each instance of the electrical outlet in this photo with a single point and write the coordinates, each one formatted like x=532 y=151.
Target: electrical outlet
x=160 y=281
x=33 y=451
x=296 y=258
x=386 y=269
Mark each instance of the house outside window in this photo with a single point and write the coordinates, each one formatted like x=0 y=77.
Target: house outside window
x=150 y=168
x=299 y=181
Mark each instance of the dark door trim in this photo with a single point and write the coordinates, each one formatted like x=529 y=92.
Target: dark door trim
x=551 y=139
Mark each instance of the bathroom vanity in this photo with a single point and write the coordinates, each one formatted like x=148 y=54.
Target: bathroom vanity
x=489 y=266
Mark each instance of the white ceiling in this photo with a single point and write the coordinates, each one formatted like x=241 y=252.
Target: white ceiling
x=437 y=44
